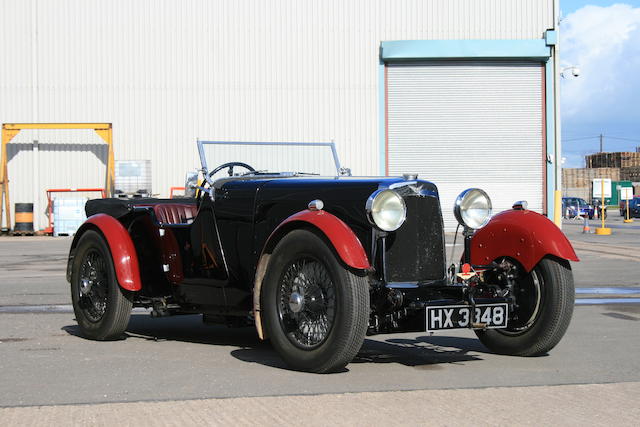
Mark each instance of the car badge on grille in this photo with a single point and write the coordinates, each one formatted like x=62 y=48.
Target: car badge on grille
x=466 y=272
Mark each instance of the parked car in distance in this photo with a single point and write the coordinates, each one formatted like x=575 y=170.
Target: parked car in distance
x=634 y=208
x=623 y=206
x=575 y=206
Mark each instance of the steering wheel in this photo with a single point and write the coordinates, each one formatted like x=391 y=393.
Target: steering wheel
x=231 y=165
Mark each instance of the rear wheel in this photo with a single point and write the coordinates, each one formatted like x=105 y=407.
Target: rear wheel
x=101 y=306
x=316 y=310
x=544 y=306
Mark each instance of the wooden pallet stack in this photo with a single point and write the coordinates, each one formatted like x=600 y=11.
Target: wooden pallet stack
x=575 y=178
x=624 y=159
x=630 y=174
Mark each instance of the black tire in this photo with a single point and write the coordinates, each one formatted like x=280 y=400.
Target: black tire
x=544 y=315
x=101 y=306
x=328 y=329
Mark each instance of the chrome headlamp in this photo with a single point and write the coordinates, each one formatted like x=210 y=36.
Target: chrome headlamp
x=386 y=210
x=473 y=208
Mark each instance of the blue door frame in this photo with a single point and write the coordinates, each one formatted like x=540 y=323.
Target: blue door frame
x=526 y=49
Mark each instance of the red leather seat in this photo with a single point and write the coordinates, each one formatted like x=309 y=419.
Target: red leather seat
x=175 y=213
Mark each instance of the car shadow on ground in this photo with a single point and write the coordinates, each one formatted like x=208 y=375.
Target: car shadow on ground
x=186 y=328
x=426 y=353
x=422 y=352
x=191 y=329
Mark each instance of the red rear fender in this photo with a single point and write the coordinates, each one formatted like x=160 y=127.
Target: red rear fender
x=123 y=252
x=525 y=236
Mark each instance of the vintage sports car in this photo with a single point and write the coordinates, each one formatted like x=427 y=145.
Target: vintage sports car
x=316 y=263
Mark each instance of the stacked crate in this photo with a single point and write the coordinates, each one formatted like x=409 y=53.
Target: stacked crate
x=625 y=159
x=630 y=174
x=576 y=182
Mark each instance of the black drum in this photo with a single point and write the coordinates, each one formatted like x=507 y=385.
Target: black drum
x=24 y=218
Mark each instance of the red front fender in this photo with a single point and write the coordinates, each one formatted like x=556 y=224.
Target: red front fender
x=525 y=236
x=123 y=253
x=343 y=239
x=341 y=236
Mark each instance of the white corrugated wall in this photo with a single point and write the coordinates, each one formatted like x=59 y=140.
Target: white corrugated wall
x=166 y=72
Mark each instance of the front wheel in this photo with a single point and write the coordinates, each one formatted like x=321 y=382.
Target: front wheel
x=316 y=310
x=101 y=306
x=544 y=305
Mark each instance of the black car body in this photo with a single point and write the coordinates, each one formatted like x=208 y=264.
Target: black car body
x=315 y=263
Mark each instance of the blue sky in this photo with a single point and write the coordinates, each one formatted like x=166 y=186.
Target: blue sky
x=569 y=6
x=602 y=38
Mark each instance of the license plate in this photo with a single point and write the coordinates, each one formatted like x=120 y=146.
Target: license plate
x=486 y=316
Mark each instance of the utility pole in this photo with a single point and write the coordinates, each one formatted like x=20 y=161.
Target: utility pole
x=601 y=136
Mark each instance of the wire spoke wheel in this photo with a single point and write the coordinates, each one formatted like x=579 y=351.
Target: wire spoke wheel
x=529 y=298
x=544 y=299
x=316 y=310
x=101 y=306
x=93 y=287
x=306 y=302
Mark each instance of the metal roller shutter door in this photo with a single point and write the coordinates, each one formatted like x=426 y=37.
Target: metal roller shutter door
x=464 y=124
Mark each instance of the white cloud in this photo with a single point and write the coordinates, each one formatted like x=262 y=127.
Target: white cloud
x=605 y=43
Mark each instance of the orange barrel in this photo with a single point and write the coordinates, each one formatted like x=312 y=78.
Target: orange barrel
x=24 y=217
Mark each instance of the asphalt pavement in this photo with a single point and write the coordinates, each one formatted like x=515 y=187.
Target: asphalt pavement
x=179 y=362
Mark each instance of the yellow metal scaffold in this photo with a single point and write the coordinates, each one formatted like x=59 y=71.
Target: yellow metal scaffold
x=10 y=130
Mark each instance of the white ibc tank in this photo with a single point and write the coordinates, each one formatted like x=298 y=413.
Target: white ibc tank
x=68 y=216
x=133 y=177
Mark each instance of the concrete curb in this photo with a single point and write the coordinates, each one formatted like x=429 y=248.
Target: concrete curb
x=579 y=405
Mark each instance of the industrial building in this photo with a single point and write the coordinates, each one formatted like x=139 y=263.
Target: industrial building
x=461 y=92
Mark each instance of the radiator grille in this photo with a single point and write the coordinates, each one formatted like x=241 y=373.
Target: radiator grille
x=415 y=253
